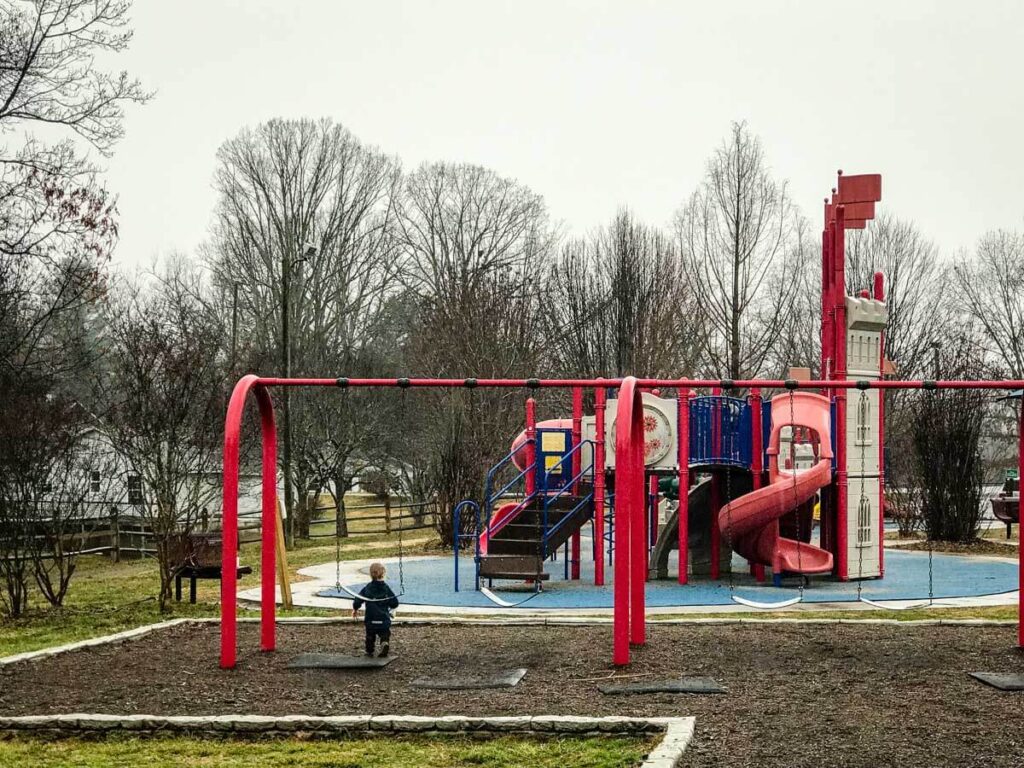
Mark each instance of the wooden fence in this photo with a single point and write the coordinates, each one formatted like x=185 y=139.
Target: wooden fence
x=121 y=534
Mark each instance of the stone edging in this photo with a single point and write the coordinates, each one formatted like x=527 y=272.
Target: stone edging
x=117 y=637
x=677 y=731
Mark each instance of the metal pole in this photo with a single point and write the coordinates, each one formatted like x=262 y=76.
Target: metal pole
x=842 y=477
x=716 y=486
x=286 y=364
x=268 y=545
x=879 y=295
x=683 y=508
x=234 y=326
x=1020 y=505
x=531 y=446
x=756 y=459
x=628 y=494
x=599 y=459
x=229 y=520
x=577 y=432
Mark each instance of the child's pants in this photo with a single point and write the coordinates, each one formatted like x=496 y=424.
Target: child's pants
x=372 y=633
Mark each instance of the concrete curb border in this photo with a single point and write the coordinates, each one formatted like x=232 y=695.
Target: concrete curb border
x=676 y=731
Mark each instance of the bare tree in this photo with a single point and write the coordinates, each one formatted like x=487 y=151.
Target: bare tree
x=47 y=347
x=49 y=194
x=619 y=303
x=737 y=236
x=167 y=398
x=915 y=282
x=992 y=287
x=283 y=184
x=474 y=244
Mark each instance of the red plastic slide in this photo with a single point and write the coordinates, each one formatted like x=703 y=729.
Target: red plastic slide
x=752 y=520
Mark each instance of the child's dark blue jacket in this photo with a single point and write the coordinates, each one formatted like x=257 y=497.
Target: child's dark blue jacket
x=381 y=601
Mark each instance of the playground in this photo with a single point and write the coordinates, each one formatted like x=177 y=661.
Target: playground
x=571 y=583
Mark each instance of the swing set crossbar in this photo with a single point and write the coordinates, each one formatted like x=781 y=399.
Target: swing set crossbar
x=600 y=383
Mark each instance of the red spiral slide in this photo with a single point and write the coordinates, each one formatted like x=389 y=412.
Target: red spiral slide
x=751 y=521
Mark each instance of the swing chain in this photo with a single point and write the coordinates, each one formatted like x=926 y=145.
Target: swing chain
x=861 y=411
x=728 y=497
x=401 y=554
x=345 y=404
x=796 y=506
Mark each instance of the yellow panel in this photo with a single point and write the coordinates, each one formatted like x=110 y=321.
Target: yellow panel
x=550 y=461
x=550 y=442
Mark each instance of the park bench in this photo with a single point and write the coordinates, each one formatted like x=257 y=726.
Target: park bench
x=198 y=556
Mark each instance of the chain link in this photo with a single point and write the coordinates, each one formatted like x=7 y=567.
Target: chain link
x=861 y=409
x=796 y=505
x=728 y=492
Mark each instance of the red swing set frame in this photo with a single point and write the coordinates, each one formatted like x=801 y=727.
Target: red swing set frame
x=630 y=561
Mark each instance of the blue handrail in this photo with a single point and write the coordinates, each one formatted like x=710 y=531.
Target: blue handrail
x=457 y=536
x=490 y=497
x=550 y=498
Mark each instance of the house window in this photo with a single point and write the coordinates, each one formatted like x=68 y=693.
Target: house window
x=134 y=489
x=94 y=482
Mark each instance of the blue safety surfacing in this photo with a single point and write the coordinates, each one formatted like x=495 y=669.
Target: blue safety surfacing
x=430 y=582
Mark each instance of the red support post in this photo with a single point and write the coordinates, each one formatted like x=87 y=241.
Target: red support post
x=826 y=305
x=531 y=446
x=577 y=431
x=842 y=479
x=628 y=505
x=599 y=448
x=268 y=544
x=630 y=552
x=652 y=528
x=879 y=295
x=683 y=455
x=756 y=458
x=716 y=488
x=1020 y=505
x=229 y=520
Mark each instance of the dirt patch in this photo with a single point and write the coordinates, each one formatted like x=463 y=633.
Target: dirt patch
x=798 y=695
x=976 y=547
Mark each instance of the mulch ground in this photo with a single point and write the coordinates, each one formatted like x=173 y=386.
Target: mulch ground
x=798 y=695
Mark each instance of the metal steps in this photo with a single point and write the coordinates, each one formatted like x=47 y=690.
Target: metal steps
x=516 y=549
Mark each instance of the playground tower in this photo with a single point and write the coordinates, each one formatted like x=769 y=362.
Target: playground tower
x=865 y=323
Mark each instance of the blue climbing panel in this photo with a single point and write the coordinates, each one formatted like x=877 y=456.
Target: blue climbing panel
x=720 y=432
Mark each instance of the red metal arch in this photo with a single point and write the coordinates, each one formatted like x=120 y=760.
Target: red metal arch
x=630 y=540
x=229 y=520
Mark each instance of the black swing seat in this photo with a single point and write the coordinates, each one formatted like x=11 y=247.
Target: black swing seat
x=338 y=661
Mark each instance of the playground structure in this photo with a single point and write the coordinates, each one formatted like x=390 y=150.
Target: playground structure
x=566 y=465
x=564 y=469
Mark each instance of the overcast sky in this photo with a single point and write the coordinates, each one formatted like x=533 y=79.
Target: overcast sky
x=594 y=105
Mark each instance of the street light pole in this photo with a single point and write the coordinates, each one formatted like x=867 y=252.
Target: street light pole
x=308 y=250
x=286 y=420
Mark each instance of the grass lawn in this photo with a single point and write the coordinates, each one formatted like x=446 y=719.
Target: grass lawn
x=106 y=597
x=390 y=752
